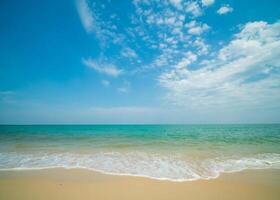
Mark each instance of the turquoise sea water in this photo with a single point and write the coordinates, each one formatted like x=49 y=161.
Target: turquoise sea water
x=173 y=152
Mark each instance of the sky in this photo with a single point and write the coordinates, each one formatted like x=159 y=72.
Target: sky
x=139 y=61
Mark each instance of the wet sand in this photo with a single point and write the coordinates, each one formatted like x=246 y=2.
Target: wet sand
x=83 y=184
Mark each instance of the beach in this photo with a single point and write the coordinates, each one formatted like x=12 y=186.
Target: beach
x=140 y=162
x=84 y=184
x=140 y=100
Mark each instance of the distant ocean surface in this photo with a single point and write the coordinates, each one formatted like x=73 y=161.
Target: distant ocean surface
x=166 y=152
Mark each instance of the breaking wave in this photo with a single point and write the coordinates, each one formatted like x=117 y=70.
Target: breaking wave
x=155 y=166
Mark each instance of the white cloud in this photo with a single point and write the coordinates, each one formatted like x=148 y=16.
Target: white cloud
x=244 y=76
x=207 y=2
x=177 y=3
x=193 y=8
x=105 y=31
x=202 y=47
x=85 y=14
x=188 y=58
x=224 y=10
x=170 y=37
x=128 y=53
x=195 y=28
x=253 y=39
x=170 y=20
x=103 y=68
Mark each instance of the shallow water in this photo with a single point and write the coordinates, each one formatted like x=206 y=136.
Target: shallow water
x=173 y=152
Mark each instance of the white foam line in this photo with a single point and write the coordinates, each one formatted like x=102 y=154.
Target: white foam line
x=106 y=173
x=133 y=175
x=217 y=171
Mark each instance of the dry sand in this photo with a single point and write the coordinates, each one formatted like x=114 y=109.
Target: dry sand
x=71 y=184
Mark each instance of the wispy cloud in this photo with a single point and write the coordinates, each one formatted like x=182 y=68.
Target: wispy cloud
x=197 y=74
x=207 y=2
x=202 y=47
x=195 y=28
x=177 y=3
x=105 y=31
x=245 y=75
x=128 y=53
x=174 y=30
x=224 y=10
x=86 y=15
x=103 y=68
x=193 y=8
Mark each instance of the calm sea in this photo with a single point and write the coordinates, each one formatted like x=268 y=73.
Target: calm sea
x=167 y=152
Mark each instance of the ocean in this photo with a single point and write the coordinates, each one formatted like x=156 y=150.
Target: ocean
x=165 y=152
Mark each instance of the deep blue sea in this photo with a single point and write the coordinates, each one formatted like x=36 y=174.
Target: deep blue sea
x=167 y=152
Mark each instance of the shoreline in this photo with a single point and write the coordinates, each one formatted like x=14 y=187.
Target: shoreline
x=101 y=172
x=86 y=184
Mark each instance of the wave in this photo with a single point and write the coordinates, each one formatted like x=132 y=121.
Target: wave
x=155 y=166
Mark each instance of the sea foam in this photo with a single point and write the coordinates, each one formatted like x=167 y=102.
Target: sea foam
x=156 y=166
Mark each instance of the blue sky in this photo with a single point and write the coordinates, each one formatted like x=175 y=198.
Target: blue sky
x=169 y=61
